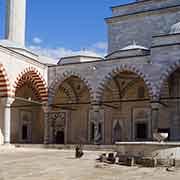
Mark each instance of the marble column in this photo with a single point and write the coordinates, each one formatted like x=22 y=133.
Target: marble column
x=46 y=124
x=6 y=102
x=155 y=116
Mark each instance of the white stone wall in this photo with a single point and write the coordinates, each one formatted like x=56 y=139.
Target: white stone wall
x=15 y=63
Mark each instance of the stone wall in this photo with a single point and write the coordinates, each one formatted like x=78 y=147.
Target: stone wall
x=140 y=27
x=142 y=5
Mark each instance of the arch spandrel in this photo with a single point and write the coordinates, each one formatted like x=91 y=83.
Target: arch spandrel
x=168 y=71
x=59 y=79
x=151 y=87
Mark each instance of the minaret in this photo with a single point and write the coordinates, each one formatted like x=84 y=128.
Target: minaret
x=16 y=21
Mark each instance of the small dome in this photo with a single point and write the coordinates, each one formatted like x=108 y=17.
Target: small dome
x=175 y=28
x=133 y=46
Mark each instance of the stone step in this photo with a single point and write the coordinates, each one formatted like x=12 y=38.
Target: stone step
x=69 y=146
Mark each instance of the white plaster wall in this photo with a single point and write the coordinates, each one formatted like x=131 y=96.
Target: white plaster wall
x=15 y=63
x=1 y=124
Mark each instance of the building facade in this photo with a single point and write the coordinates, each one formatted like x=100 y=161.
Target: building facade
x=126 y=96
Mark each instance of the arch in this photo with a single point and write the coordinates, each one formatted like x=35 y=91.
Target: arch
x=31 y=74
x=166 y=74
x=4 y=83
x=129 y=68
x=60 y=79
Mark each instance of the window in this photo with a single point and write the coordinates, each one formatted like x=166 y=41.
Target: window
x=141 y=92
x=141 y=131
x=117 y=133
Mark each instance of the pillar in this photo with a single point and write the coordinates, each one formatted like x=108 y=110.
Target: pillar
x=46 y=124
x=155 y=116
x=6 y=102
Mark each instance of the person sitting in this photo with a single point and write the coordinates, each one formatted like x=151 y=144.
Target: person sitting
x=79 y=152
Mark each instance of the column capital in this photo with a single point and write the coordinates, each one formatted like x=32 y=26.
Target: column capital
x=46 y=108
x=7 y=101
x=96 y=107
x=156 y=105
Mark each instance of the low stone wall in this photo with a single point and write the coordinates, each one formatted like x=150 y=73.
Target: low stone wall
x=149 y=149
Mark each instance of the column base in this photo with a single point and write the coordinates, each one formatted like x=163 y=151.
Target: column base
x=46 y=143
x=7 y=145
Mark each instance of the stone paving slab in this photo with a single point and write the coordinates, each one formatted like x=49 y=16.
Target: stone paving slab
x=43 y=164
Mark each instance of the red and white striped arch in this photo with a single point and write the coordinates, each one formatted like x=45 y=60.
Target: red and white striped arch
x=33 y=75
x=5 y=90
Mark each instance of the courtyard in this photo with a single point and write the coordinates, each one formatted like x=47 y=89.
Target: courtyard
x=45 y=164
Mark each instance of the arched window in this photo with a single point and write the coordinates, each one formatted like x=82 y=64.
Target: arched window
x=141 y=92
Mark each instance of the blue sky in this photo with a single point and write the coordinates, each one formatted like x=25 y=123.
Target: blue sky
x=69 y=25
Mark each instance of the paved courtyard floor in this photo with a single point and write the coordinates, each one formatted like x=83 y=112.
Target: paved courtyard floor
x=42 y=164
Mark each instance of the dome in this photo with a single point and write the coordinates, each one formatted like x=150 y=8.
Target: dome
x=133 y=46
x=18 y=48
x=175 y=28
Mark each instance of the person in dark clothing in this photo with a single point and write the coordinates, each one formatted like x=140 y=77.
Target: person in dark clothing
x=79 y=151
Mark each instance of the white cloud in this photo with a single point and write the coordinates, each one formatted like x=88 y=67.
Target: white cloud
x=63 y=52
x=101 y=45
x=37 y=40
x=98 y=49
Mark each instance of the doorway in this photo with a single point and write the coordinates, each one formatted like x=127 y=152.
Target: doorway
x=24 y=132
x=60 y=137
x=25 y=135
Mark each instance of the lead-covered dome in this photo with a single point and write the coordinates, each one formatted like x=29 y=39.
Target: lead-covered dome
x=133 y=47
x=175 y=28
